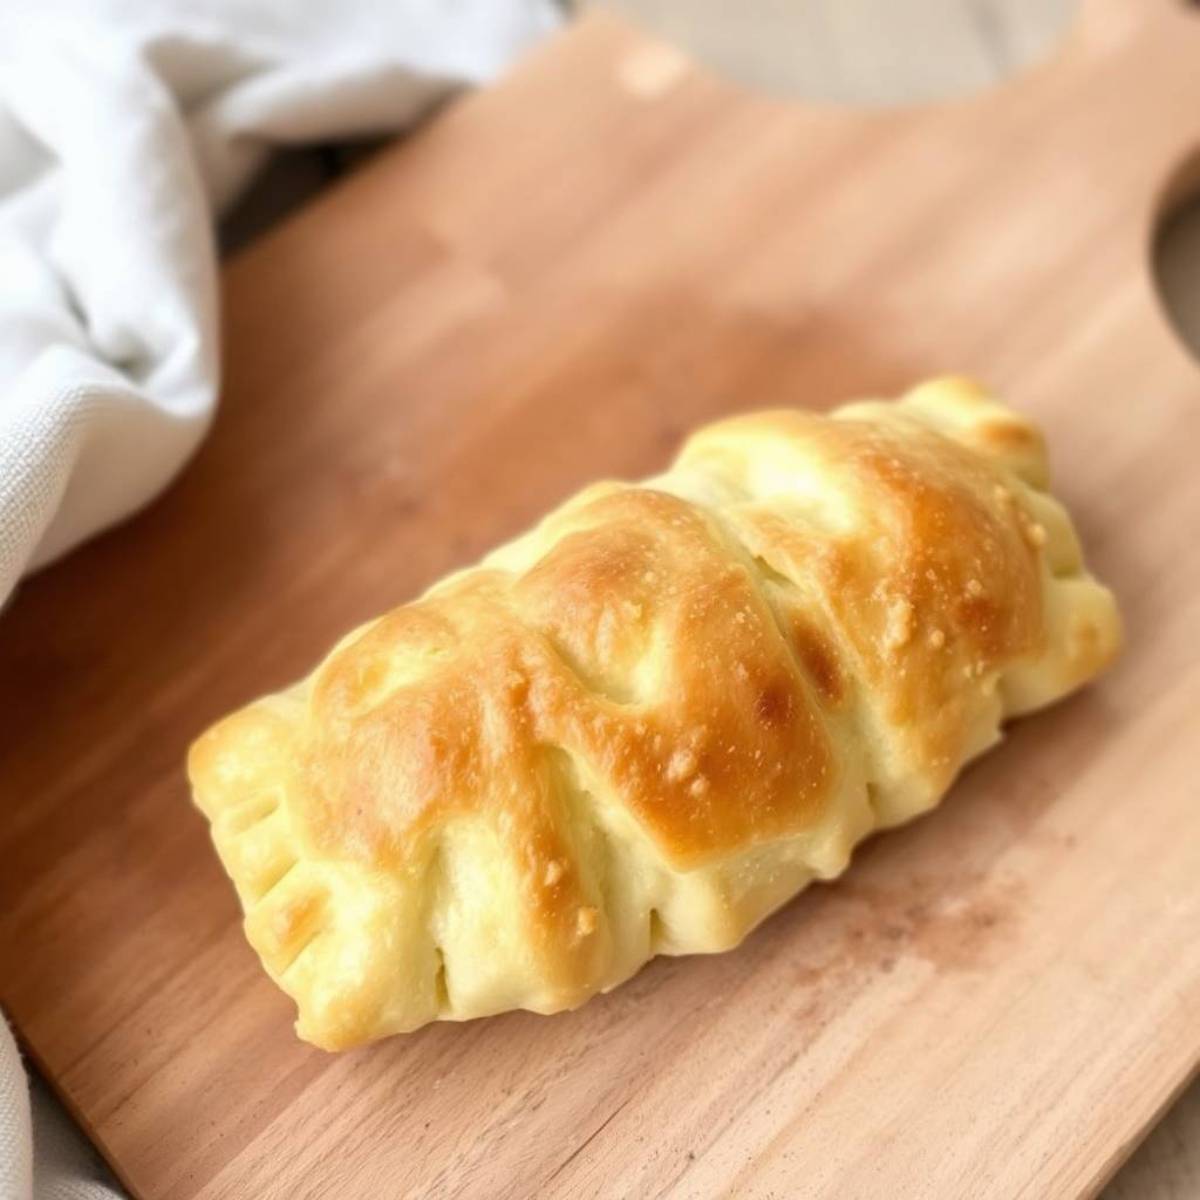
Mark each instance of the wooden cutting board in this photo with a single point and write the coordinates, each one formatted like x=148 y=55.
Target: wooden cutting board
x=550 y=284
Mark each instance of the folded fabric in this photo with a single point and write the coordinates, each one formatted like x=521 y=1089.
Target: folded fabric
x=124 y=127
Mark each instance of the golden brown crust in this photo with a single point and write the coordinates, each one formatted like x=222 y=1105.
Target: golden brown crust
x=932 y=580
x=682 y=749
x=652 y=719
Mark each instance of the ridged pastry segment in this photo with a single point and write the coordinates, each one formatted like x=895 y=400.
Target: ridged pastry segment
x=646 y=724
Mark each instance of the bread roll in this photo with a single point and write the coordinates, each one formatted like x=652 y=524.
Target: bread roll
x=643 y=726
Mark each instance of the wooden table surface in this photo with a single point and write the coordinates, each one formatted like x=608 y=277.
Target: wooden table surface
x=901 y=51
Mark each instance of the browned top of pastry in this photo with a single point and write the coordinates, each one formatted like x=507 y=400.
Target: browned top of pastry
x=682 y=654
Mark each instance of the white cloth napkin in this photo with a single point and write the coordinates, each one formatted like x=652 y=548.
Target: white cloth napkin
x=125 y=125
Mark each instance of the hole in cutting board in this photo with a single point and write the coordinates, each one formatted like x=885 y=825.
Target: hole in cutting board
x=856 y=51
x=1177 y=253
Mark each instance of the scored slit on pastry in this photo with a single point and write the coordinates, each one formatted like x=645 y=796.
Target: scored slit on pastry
x=647 y=723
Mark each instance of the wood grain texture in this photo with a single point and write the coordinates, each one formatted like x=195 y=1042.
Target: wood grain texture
x=549 y=285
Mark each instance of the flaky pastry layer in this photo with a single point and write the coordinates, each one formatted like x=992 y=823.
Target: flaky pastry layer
x=644 y=725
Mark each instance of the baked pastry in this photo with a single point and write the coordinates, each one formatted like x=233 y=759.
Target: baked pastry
x=644 y=725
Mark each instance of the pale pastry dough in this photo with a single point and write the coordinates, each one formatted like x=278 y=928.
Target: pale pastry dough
x=644 y=725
